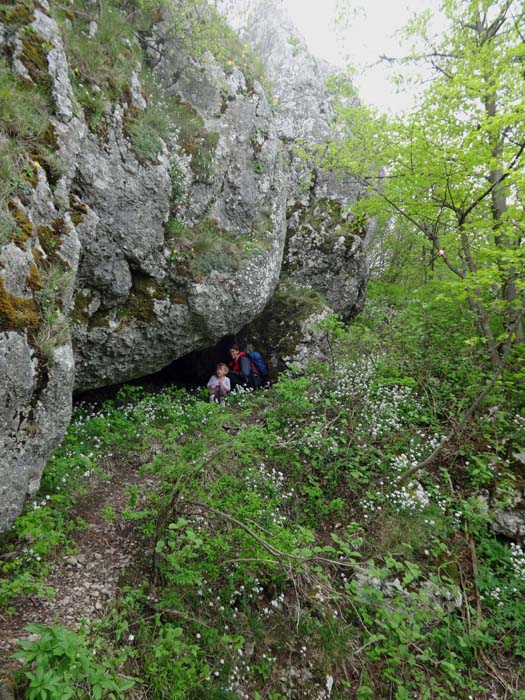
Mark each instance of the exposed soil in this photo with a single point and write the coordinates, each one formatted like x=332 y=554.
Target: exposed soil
x=86 y=581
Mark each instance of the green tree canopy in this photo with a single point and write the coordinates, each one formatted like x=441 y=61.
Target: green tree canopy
x=454 y=168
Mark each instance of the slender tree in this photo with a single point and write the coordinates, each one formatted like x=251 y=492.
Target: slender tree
x=454 y=168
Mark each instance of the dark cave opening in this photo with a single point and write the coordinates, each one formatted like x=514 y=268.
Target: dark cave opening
x=190 y=371
x=196 y=368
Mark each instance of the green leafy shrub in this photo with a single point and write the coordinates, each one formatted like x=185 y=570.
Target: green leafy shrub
x=60 y=664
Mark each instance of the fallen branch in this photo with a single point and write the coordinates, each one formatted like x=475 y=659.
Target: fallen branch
x=493 y=672
x=165 y=512
x=474 y=561
x=277 y=553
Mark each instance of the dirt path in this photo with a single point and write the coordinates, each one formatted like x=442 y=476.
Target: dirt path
x=84 y=582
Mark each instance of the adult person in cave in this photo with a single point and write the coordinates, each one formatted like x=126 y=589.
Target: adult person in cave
x=242 y=372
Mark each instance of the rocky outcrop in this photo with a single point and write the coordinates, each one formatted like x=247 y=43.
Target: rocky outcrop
x=325 y=267
x=510 y=524
x=325 y=252
x=130 y=249
x=289 y=332
x=38 y=268
x=146 y=298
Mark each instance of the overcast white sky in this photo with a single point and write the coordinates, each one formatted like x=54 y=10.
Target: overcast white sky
x=371 y=33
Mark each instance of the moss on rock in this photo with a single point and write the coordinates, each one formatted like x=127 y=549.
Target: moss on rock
x=34 y=57
x=278 y=330
x=179 y=297
x=51 y=237
x=34 y=277
x=17 y=313
x=18 y=13
x=24 y=226
x=50 y=138
x=100 y=319
x=80 y=314
x=194 y=139
x=78 y=210
x=140 y=304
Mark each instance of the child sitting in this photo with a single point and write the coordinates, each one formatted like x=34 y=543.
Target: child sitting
x=219 y=384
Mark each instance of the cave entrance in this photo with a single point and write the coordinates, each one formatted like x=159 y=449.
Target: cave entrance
x=196 y=368
x=190 y=372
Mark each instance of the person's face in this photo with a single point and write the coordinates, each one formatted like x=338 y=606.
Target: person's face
x=220 y=372
x=233 y=353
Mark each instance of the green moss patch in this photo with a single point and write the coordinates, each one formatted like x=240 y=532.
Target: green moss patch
x=279 y=326
x=100 y=319
x=207 y=247
x=204 y=248
x=24 y=227
x=201 y=148
x=17 y=313
x=78 y=210
x=16 y=14
x=79 y=313
x=194 y=139
x=50 y=162
x=140 y=303
x=179 y=296
x=34 y=278
x=148 y=129
x=34 y=57
x=51 y=237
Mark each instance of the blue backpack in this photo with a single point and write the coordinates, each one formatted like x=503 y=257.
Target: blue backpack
x=258 y=361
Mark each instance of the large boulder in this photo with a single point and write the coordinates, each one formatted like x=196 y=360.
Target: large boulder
x=119 y=258
x=145 y=295
x=510 y=524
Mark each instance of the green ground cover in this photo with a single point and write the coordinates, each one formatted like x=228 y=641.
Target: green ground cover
x=282 y=557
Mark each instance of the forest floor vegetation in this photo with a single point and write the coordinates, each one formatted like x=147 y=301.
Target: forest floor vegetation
x=265 y=550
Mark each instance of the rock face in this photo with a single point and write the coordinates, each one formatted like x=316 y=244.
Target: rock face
x=38 y=268
x=325 y=252
x=124 y=256
x=141 y=303
x=510 y=524
x=325 y=267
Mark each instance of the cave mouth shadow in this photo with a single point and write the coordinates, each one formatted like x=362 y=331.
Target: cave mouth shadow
x=195 y=368
x=190 y=372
